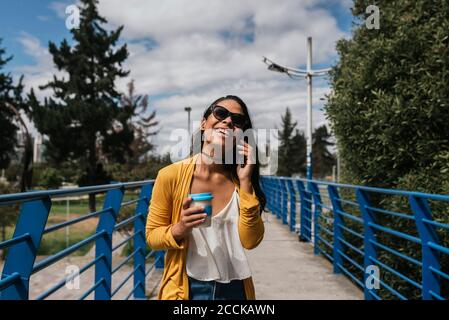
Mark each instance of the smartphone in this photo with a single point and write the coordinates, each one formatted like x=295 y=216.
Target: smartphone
x=244 y=157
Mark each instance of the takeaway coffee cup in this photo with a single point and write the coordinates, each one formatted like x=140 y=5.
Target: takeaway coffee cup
x=205 y=200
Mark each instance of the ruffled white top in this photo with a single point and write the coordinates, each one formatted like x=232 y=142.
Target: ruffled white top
x=215 y=252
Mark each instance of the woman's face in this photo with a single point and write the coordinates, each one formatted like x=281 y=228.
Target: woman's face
x=217 y=131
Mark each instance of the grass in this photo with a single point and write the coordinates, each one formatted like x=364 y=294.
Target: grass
x=79 y=207
x=56 y=241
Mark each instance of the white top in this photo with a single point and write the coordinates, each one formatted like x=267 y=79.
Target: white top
x=215 y=252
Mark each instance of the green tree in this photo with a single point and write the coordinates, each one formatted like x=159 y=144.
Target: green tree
x=8 y=214
x=292 y=152
x=389 y=111
x=389 y=103
x=9 y=94
x=133 y=132
x=323 y=160
x=85 y=103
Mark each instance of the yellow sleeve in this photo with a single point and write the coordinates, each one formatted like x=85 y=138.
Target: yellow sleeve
x=159 y=221
x=251 y=228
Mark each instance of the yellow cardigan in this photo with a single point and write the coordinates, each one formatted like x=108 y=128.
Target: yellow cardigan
x=172 y=185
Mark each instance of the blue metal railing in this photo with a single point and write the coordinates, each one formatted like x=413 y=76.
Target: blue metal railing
x=20 y=263
x=391 y=243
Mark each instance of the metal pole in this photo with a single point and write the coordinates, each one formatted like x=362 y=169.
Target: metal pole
x=188 y=109
x=309 y=108
x=67 y=219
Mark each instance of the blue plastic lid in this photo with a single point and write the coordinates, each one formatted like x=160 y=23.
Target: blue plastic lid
x=201 y=196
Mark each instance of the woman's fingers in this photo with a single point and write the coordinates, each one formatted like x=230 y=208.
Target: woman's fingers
x=194 y=217
x=186 y=203
x=195 y=223
x=193 y=210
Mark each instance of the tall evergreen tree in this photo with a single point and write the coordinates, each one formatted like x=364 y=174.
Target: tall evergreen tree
x=85 y=102
x=292 y=152
x=298 y=154
x=285 y=136
x=9 y=94
x=322 y=159
x=133 y=129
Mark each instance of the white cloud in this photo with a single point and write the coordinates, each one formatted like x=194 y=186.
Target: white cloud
x=202 y=52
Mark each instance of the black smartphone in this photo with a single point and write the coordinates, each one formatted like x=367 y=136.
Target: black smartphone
x=245 y=139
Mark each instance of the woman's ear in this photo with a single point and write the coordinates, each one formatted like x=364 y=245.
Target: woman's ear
x=203 y=124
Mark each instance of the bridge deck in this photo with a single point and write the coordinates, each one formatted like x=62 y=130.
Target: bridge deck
x=285 y=268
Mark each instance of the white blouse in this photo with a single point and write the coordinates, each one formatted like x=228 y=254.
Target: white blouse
x=215 y=252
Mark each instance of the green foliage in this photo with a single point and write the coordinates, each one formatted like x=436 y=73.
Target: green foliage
x=9 y=93
x=322 y=159
x=292 y=147
x=8 y=214
x=56 y=241
x=389 y=103
x=50 y=178
x=85 y=104
x=389 y=111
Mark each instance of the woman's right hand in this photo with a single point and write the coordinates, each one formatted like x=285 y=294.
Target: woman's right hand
x=190 y=217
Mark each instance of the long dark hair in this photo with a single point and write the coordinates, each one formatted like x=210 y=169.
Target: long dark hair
x=232 y=168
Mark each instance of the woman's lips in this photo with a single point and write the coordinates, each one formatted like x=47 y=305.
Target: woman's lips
x=223 y=132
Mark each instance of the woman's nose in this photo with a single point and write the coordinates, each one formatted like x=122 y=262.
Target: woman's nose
x=228 y=121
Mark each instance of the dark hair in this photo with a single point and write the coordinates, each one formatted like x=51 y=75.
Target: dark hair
x=232 y=168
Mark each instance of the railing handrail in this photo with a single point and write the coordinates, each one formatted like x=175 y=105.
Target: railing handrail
x=20 y=197
x=31 y=226
x=432 y=196
x=356 y=226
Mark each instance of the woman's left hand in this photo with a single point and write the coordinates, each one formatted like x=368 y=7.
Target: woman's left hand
x=246 y=172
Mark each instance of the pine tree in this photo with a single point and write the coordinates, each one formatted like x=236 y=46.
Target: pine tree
x=9 y=94
x=285 y=136
x=322 y=158
x=133 y=130
x=298 y=154
x=85 y=102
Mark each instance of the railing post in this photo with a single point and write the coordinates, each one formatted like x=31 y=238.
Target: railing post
x=278 y=205
x=21 y=256
x=430 y=257
x=313 y=187
x=369 y=234
x=103 y=245
x=140 y=241
x=284 y=192
x=292 y=194
x=304 y=235
x=337 y=230
x=272 y=195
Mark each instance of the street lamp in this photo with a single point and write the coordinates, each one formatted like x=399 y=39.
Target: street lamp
x=188 y=109
x=308 y=74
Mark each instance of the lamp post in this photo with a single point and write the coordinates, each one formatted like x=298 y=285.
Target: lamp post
x=308 y=74
x=188 y=109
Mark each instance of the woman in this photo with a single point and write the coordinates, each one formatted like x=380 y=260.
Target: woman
x=209 y=263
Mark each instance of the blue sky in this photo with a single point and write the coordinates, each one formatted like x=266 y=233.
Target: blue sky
x=189 y=52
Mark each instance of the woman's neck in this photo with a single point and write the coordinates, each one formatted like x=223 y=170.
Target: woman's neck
x=209 y=164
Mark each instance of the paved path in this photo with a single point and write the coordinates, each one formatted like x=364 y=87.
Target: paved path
x=284 y=268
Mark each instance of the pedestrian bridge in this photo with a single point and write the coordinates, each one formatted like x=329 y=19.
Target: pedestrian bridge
x=322 y=241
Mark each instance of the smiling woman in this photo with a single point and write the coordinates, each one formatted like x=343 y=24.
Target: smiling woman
x=209 y=263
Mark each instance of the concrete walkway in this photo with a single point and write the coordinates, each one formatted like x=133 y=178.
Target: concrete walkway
x=286 y=269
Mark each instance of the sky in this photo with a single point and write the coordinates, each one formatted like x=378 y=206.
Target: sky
x=188 y=53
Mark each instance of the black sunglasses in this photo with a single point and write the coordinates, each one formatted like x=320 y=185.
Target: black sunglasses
x=221 y=113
